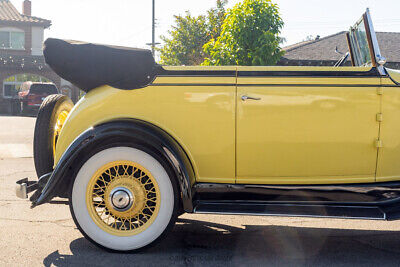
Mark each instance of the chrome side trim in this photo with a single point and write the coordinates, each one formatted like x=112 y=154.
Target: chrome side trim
x=291 y=210
x=292 y=215
x=378 y=56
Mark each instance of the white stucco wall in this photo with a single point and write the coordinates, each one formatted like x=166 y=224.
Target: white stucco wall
x=37 y=41
x=10 y=29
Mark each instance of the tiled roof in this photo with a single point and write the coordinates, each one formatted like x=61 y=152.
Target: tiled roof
x=324 y=48
x=10 y=14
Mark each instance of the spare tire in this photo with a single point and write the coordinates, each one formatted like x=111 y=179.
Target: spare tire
x=51 y=117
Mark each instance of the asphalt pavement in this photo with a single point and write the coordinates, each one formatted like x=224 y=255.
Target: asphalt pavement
x=46 y=235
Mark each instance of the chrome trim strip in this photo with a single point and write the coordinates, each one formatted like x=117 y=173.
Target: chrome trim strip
x=291 y=215
x=384 y=217
x=374 y=39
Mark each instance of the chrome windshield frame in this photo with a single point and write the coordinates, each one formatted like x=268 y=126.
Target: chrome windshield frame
x=377 y=60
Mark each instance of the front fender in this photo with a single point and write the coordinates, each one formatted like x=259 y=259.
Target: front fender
x=129 y=132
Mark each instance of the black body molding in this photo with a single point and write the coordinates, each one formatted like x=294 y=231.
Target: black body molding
x=161 y=72
x=122 y=132
x=373 y=72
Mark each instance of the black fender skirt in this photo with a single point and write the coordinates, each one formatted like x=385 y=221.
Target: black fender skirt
x=123 y=132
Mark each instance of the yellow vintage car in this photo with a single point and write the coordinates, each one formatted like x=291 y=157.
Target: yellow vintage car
x=149 y=142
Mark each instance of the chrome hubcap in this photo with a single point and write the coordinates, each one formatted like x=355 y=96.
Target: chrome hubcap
x=121 y=198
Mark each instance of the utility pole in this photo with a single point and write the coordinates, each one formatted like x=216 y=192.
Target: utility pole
x=153 y=30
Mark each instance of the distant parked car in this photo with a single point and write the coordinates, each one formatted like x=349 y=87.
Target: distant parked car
x=32 y=95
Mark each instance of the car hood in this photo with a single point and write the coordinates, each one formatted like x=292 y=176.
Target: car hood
x=394 y=75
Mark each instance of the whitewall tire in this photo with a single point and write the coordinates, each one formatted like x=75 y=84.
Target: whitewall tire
x=123 y=199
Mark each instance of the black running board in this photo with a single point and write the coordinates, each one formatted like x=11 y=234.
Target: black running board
x=291 y=210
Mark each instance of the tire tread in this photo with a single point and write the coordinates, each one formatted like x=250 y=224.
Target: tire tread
x=42 y=150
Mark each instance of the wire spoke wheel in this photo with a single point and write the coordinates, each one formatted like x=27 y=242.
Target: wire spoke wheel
x=123 y=198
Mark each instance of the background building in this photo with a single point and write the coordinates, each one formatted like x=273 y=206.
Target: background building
x=328 y=50
x=21 y=53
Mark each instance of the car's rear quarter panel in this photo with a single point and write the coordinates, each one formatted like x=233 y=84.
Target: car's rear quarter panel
x=199 y=112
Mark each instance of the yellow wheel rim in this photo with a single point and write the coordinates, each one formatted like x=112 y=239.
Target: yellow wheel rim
x=123 y=198
x=62 y=117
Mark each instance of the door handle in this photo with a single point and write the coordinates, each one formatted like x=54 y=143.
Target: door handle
x=245 y=97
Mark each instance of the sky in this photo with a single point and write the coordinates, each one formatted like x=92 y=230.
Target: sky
x=128 y=22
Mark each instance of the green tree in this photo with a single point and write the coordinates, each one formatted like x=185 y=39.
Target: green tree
x=215 y=19
x=184 y=46
x=249 y=36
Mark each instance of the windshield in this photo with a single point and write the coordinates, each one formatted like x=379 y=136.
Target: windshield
x=42 y=89
x=359 y=44
x=363 y=45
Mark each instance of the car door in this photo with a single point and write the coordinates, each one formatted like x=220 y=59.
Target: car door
x=307 y=125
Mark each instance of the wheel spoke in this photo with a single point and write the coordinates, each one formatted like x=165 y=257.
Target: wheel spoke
x=144 y=189
x=102 y=188
x=125 y=167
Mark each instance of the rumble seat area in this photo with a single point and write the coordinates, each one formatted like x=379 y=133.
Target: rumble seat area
x=90 y=65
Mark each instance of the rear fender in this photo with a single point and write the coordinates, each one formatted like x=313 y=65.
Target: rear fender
x=125 y=132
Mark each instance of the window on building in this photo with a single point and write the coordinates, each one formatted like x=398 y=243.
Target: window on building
x=12 y=40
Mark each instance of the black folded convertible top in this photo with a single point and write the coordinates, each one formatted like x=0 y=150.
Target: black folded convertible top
x=90 y=65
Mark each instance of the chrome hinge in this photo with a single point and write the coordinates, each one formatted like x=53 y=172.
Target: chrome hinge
x=379 y=91
x=378 y=143
x=379 y=117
